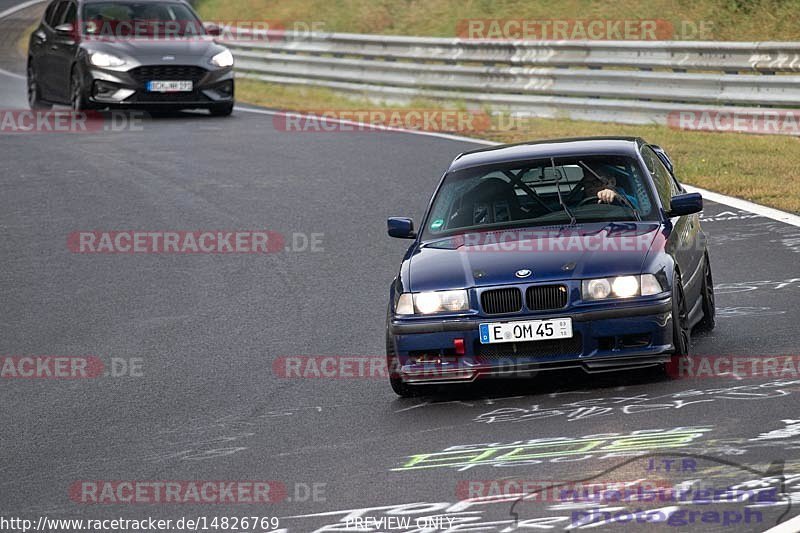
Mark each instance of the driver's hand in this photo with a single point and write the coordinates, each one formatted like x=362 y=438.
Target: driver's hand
x=606 y=196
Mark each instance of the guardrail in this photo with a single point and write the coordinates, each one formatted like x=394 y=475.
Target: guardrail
x=634 y=82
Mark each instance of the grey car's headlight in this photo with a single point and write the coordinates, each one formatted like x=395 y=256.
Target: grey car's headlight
x=223 y=59
x=621 y=287
x=428 y=303
x=102 y=59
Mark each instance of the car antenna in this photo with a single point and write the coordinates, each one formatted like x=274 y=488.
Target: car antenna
x=557 y=175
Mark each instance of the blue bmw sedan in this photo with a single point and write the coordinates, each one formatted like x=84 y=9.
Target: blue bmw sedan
x=571 y=253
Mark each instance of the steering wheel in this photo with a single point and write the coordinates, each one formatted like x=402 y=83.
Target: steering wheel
x=595 y=200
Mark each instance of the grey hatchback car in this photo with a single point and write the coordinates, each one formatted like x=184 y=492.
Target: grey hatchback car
x=153 y=54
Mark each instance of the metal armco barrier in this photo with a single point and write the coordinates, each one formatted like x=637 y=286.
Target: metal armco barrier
x=636 y=82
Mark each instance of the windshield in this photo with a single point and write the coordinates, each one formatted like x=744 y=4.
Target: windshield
x=146 y=19
x=541 y=193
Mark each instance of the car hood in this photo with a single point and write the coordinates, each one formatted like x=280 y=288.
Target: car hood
x=153 y=51
x=557 y=253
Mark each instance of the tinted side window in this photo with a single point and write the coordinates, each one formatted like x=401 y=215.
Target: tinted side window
x=49 y=15
x=71 y=16
x=661 y=177
x=58 y=14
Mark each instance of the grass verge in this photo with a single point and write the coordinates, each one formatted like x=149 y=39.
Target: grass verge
x=726 y=20
x=759 y=168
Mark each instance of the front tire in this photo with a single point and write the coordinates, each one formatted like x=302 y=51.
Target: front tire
x=35 y=101
x=77 y=98
x=709 y=320
x=400 y=387
x=681 y=332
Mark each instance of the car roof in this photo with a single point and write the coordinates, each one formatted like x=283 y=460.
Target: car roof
x=548 y=148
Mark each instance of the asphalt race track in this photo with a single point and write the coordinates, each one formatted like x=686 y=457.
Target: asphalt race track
x=198 y=335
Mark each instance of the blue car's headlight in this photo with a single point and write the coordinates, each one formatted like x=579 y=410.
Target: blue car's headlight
x=621 y=287
x=428 y=303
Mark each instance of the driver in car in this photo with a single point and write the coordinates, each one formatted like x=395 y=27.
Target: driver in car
x=605 y=192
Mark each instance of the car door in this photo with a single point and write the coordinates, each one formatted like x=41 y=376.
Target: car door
x=63 y=50
x=39 y=52
x=47 y=80
x=683 y=243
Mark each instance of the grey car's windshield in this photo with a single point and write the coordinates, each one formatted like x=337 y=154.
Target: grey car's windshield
x=140 y=19
x=524 y=194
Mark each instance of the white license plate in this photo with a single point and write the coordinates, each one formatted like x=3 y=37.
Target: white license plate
x=170 y=86
x=529 y=330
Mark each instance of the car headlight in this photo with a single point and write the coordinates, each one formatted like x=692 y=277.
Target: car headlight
x=427 y=303
x=621 y=287
x=102 y=59
x=223 y=59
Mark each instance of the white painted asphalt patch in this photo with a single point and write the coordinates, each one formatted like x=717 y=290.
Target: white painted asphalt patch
x=738 y=203
x=792 y=526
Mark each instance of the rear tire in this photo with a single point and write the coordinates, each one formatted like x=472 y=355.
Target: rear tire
x=681 y=332
x=35 y=101
x=709 y=320
x=224 y=110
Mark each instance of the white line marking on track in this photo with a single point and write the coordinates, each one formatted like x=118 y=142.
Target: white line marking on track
x=768 y=212
x=423 y=404
x=10 y=11
x=7 y=13
x=12 y=74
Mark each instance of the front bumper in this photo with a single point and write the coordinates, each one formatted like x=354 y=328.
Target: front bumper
x=604 y=340
x=128 y=89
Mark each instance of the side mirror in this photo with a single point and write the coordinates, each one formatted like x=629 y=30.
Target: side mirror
x=65 y=29
x=686 y=204
x=401 y=228
x=212 y=29
x=664 y=157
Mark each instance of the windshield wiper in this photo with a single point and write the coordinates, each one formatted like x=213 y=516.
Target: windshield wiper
x=557 y=176
x=607 y=183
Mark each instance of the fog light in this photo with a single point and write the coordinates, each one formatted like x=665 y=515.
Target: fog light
x=225 y=89
x=103 y=89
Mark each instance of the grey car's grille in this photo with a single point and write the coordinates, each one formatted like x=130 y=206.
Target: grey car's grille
x=546 y=297
x=167 y=73
x=501 y=301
